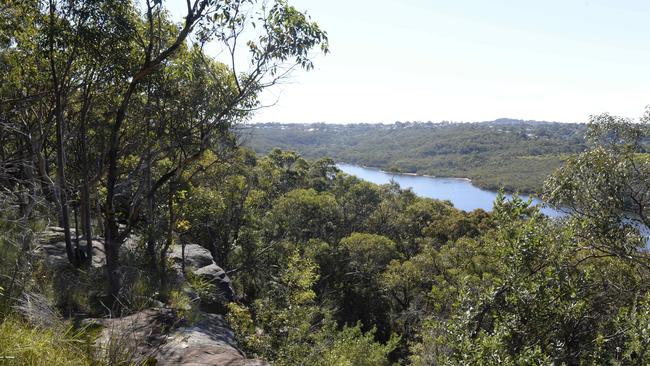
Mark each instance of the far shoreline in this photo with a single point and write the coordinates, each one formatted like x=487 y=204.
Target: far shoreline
x=467 y=179
x=537 y=201
x=415 y=174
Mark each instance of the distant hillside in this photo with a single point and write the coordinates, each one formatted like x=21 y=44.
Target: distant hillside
x=515 y=154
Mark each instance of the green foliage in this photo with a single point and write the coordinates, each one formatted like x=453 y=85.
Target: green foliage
x=606 y=187
x=549 y=298
x=351 y=347
x=516 y=155
x=206 y=290
x=183 y=306
x=22 y=344
x=285 y=315
x=368 y=254
x=303 y=214
x=295 y=330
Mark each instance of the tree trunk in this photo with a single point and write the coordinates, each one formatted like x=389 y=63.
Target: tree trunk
x=85 y=190
x=62 y=185
x=112 y=244
x=85 y=219
x=169 y=240
x=57 y=88
x=112 y=240
x=151 y=228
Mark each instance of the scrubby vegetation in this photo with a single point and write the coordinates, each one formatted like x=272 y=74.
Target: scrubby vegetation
x=168 y=223
x=511 y=154
x=329 y=267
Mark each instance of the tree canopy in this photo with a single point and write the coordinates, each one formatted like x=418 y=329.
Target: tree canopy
x=118 y=126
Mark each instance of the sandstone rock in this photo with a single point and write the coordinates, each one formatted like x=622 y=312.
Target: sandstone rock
x=156 y=334
x=50 y=246
x=208 y=342
x=195 y=256
x=199 y=260
x=218 y=277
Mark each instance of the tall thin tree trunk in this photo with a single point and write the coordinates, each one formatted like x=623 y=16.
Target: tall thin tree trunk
x=169 y=241
x=112 y=247
x=151 y=228
x=85 y=218
x=57 y=87
x=112 y=239
x=85 y=189
x=79 y=255
x=62 y=185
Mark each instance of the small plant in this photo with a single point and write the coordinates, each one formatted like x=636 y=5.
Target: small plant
x=183 y=306
x=205 y=289
x=140 y=293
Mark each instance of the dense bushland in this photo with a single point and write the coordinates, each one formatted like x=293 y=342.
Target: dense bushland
x=134 y=152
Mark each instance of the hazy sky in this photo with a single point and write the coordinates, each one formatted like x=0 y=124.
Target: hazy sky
x=471 y=60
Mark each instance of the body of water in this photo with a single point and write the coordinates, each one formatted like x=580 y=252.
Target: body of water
x=459 y=191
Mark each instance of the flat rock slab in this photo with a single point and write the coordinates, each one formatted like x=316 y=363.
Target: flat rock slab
x=158 y=334
x=51 y=248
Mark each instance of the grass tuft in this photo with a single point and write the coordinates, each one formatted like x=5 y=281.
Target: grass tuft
x=22 y=344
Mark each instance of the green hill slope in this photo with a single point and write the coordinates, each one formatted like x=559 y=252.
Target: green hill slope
x=513 y=154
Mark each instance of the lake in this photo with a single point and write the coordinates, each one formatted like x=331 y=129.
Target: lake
x=458 y=191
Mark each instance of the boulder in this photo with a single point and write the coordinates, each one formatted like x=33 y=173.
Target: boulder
x=218 y=277
x=50 y=247
x=210 y=341
x=158 y=335
x=195 y=256
x=199 y=261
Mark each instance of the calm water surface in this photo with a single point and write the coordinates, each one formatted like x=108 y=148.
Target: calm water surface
x=459 y=191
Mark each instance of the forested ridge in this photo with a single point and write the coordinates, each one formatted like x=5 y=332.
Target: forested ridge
x=136 y=227
x=512 y=154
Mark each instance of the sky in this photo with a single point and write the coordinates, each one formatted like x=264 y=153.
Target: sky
x=470 y=60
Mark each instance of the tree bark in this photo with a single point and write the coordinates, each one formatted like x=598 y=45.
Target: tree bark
x=57 y=86
x=85 y=189
x=62 y=185
x=113 y=239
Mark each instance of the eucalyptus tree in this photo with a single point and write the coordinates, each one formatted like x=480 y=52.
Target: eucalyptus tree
x=607 y=187
x=26 y=119
x=55 y=69
x=284 y=39
x=139 y=93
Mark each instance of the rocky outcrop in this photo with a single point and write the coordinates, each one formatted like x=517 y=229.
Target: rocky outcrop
x=50 y=247
x=158 y=337
x=196 y=256
x=216 y=276
x=199 y=261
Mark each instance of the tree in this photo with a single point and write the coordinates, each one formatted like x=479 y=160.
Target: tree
x=543 y=288
x=364 y=257
x=606 y=187
x=304 y=214
x=296 y=330
x=218 y=189
x=163 y=103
